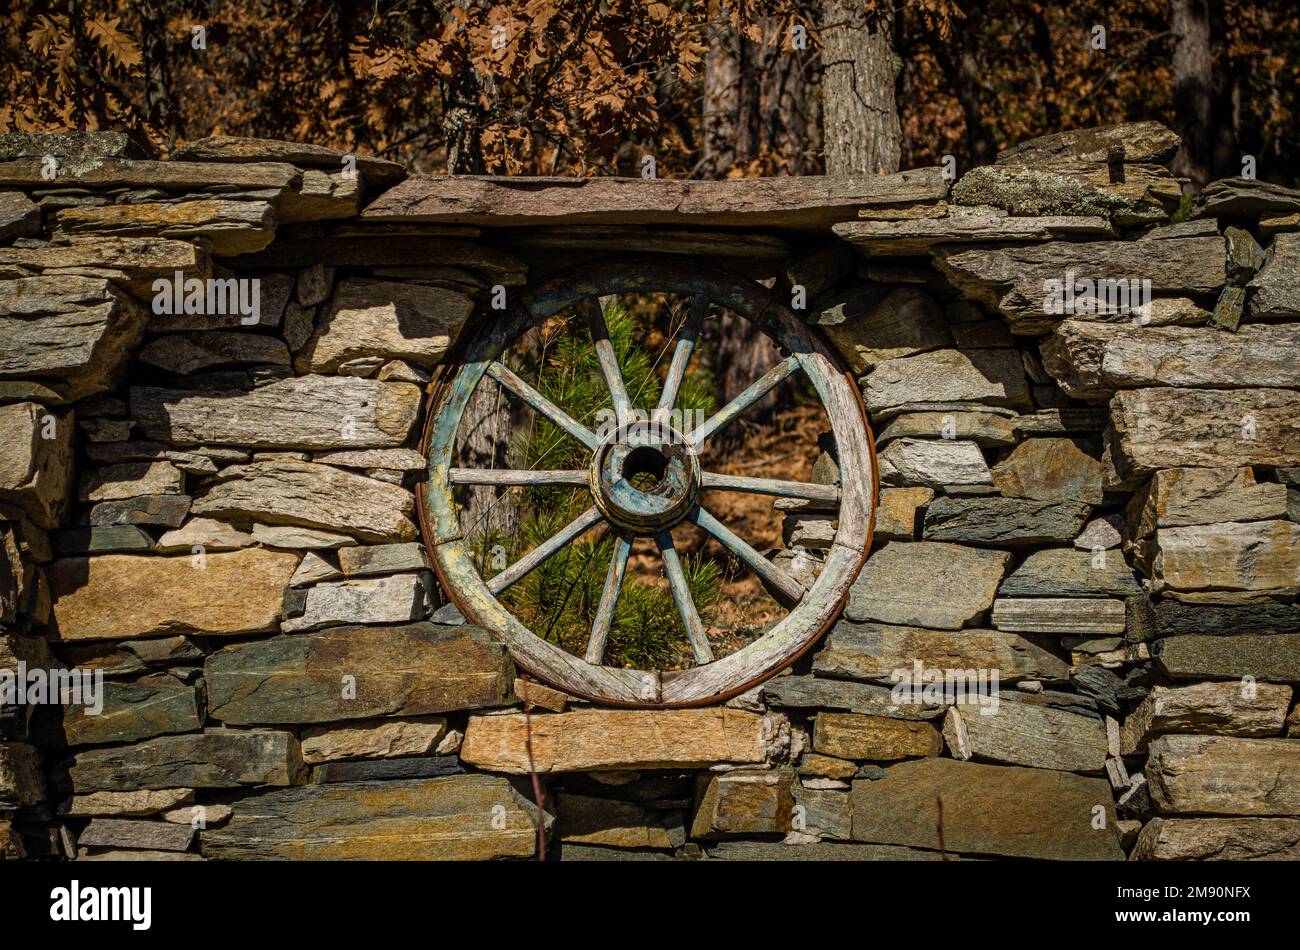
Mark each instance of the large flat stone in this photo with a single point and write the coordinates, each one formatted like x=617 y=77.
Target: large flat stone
x=1135 y=142
x=1203 y=428
x=151 y=706
x=811 y=692
x=933 y=463
x=875 y=652
x=897 y=584
x=1023 y=734
x=744 y=802
x=121 y=596
x=603 y=739
x=880 y=739
x=135 y=834
x=966 y=226
x=988 y=809
x=311 y=496
x=228 y=227
x=1093 y=360
x=398 y=598
x=215 y=758
x=1275 y=293
x=1143 y=194
x=381 y=739
x=388 y=319
x=1081 y=616
x=1170 y=618
x=1257 y=710
x=412 y=670
x=310 y=412
x=1274 y=657
x=869 y=324
x=72 y=332
x=1219 y=839
x=36 y=458
x=1011 y=279
x=192 y=352
x=1004 y=521
x=989 y=377
x=455 y=818
x=168 y=176
x=1176 y=497
x=811 y=202
x=241 y=150
x=1224 y=776
x=135 y=262
x=586 y=819
x=1051 y=470
x=1249 y=556
x=126 y=804
x=1068 y=572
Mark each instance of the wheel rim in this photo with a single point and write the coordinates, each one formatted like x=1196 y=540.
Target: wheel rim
x=630 y=511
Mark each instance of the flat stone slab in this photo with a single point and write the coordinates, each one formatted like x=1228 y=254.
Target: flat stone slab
x=601 y=739
x=897 y=584
x=877 y=652
x=1257 y=710
x=988 y=809
x=805 y=202
x=1204 y=428
x=308 y=412
x=411 y=670
x=120 y=596
x=1093 y=360
x=1219 y=839
x=1022 y=734
x=456 y=818
x=215 y=758
x=1221 y=775
x=1272 y=657
x=1069 y=572
x=1004 y=521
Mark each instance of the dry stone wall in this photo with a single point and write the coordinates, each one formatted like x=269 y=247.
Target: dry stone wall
x=213 y=505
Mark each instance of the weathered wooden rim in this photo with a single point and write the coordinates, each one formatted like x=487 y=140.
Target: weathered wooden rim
x=673 y=689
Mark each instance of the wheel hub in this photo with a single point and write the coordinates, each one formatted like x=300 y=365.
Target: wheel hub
x=645 y=477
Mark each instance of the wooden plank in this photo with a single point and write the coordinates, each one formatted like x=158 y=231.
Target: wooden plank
x=544 y=551
x=681 y=357
x=606 y=356
x=514 y=476
x=717 y=481
x=751 y=394
x=700 y=648
x=608 y=601
x=760 y=565
x=503 y=375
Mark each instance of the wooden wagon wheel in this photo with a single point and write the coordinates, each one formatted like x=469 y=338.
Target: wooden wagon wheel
x=632 y=512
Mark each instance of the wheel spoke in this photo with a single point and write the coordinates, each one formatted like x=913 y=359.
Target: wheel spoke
x=752 y=394
x=514 y=476
x=550 y=410
x=760 y=565
x=770 y=486
x=681 y=357
x=606 y=356
x=544 y=551
x=700 y=649
x=608 y=600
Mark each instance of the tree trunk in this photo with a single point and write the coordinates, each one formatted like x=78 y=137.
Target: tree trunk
x=860 y=114
x=721 y=101
x=487 y=513
x=1202 y=111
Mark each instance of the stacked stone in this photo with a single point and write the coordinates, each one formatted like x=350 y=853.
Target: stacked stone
x=219 y=515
